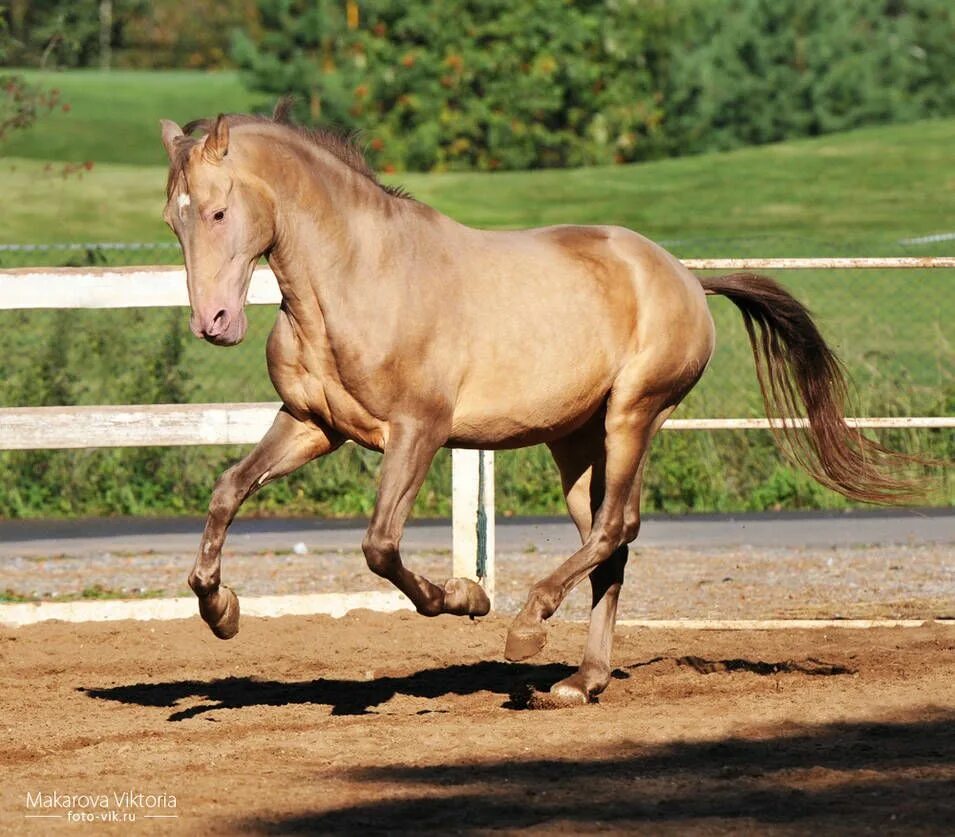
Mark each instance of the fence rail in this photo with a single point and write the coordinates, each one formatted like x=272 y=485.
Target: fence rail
x=49 y=428
x=893 y=263
x=152 y=287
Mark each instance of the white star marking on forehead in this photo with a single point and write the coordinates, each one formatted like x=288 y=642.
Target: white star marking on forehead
x=184 y=200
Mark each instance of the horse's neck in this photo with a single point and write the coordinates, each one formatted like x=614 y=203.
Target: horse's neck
x=342 y=244
x=330 y=244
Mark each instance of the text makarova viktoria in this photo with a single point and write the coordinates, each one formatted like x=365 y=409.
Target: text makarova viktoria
x=124 y=803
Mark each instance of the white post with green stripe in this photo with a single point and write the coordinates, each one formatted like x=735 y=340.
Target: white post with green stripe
x=472 y=499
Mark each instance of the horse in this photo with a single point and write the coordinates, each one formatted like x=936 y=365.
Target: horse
x=405 y=331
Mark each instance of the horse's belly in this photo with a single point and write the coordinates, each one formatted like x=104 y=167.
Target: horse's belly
x=514 y=416
x=498 y=433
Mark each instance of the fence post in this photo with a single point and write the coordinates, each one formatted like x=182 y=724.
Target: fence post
x=472 y=500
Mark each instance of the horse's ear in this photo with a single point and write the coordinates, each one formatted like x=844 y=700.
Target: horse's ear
x=216 y=144
x=283 y=110
x=170 y=133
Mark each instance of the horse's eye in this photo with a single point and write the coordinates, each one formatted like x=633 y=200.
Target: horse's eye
x=218 y=216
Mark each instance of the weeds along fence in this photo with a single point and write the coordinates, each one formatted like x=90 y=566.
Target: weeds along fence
x=83 y=342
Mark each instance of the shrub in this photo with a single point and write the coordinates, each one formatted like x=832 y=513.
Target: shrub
x=548 y=83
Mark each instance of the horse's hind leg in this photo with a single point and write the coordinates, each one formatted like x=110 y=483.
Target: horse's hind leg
x=631 y=422
x=408 y=456
x=580 y=459
x=287 y=445
x=594 y=673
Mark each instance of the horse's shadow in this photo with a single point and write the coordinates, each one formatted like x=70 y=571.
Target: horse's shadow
x=345 y=697
x=516 y=681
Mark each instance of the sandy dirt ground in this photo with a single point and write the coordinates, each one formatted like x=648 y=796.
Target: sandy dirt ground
x=395 y=723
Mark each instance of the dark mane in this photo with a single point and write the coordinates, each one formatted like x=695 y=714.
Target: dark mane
x=341 y=145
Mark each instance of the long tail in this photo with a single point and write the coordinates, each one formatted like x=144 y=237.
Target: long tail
x=799 y=374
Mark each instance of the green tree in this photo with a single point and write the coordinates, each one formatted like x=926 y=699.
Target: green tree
x=99 y=33
x=196 y=35
x=755 y=71
x=21 y=104
x=53 y=33
x=470 y=84
x=491 y=84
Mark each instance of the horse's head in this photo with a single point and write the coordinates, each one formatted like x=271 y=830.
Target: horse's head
x=223 y=225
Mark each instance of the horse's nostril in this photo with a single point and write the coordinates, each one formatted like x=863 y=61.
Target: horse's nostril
x=220 y=322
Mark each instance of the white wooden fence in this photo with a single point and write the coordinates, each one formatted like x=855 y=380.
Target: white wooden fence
x=24 y=428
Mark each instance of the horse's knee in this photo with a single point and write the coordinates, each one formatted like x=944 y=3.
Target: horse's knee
x=226 y=494
x=381 y=553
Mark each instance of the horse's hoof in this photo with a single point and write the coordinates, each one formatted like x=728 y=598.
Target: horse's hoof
x=558 y=698
x=463 y=597
x=524 y=642
x=221 y=612
x=572 y=691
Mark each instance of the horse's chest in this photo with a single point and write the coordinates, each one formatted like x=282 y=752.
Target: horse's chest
x=307 y=379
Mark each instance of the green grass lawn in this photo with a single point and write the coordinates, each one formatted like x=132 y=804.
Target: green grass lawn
x=838 y=194
x=857 y=193
x=863 y=189
x=866 y=188
x=113 y=116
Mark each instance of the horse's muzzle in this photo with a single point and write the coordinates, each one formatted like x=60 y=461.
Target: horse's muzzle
x=221 y=327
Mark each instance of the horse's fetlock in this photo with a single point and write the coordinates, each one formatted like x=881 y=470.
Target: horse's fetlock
x=544 y=600
x=431 y=607
x=204 y=584
x=596 y=677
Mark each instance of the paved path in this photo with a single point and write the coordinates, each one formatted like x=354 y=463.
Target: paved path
x=819 y=529
x=863 y=565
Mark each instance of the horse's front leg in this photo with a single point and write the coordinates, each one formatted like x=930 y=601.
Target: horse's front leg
x=287 y=445
x=408 y=455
